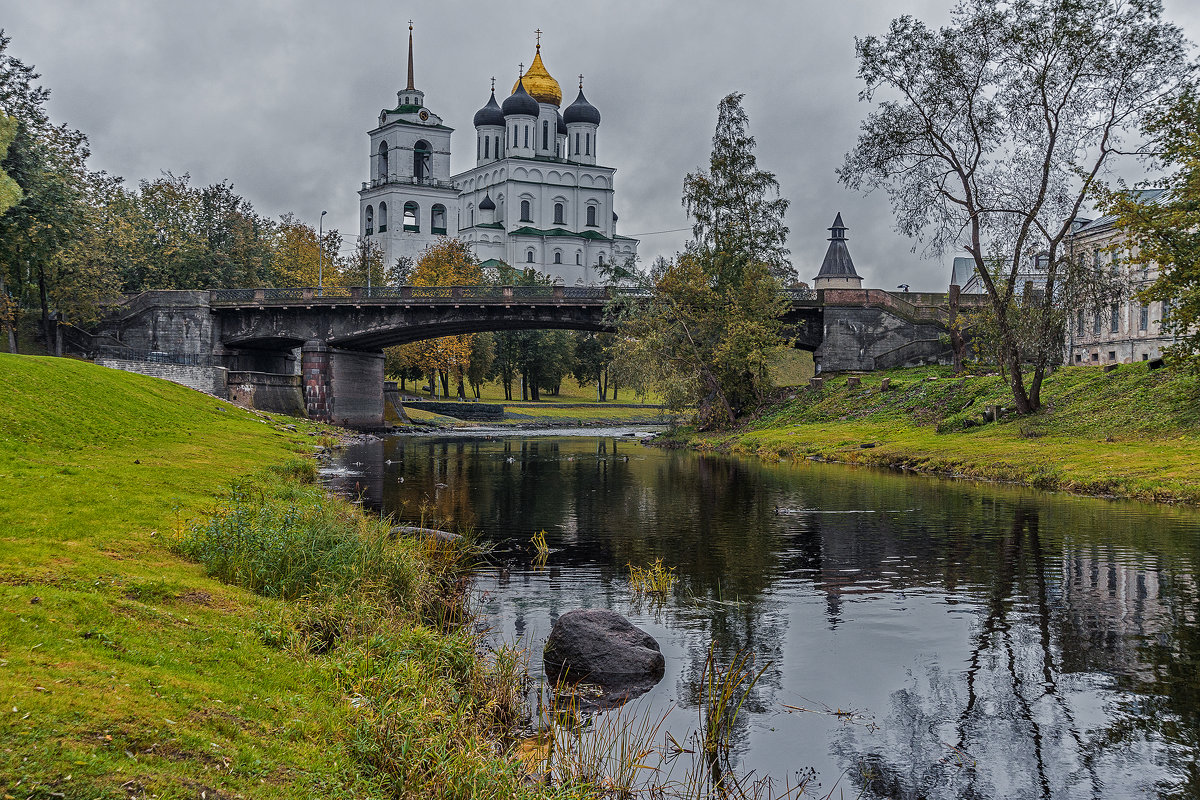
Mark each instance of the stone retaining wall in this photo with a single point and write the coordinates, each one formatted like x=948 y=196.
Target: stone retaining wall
x=210 y=380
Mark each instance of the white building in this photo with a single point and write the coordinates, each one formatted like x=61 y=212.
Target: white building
x=537 y=196
x=1128 y=330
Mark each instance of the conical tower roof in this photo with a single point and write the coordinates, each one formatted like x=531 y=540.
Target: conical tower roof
x=838 y=262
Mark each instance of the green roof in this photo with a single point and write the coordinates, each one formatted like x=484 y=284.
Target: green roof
x=488 y=225
x=491 y=262
x=407 y=108
x=527 y=231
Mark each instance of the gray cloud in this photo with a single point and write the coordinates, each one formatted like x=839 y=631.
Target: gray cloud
x=277 y=96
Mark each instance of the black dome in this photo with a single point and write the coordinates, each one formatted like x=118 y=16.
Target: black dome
x=562 y=126
x=520 y=102
x=489 y=114
x=581 y=111
x=487 y=204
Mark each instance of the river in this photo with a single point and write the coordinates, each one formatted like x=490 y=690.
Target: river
x=987 y=641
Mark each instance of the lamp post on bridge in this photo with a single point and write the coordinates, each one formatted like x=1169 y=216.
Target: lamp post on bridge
x=321 y=254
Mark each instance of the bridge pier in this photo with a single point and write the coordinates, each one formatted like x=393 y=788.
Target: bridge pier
x=344 y=387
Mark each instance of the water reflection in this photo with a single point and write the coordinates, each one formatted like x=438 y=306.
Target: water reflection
x=1007 y=643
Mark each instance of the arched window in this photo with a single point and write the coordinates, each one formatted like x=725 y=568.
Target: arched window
x=602 y=259
x=370 y=220
x=591 y=216
x=558 y=256
x=382 y=217
x=587 y=144
x=437 y=220
x=515 y=140
x=545 y=135
x=576 y=144
x=478 y=148
x=412 y=218
x=579 y=257
x=472 y=213
x=527 y=136
x=528 y=256
x=559 y=211
x=383 y=161
x=487 y=141
x=526 y=211
x=497 y=147
x=422 y=153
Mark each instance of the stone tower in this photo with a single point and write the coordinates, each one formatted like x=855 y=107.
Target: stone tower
x=837 y=270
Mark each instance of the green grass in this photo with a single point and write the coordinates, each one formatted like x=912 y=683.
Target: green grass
x=128 y=668
x=1130 y=433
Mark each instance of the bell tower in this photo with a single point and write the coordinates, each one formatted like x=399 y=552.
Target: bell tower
x=409 y=202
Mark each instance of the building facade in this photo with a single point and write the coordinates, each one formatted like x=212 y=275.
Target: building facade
x=1125 y=331
x=537 y=197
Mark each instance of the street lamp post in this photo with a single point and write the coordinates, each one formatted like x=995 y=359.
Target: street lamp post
x=321 y=255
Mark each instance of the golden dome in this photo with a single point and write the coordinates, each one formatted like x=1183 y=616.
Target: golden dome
x=538 y=82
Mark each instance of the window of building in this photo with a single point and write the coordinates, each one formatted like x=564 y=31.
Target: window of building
x=422 y=155
x=528 y=256
x=1096 y=324
x=1115 y=265
x=487 y=142
x=472 y=216
x=557 y=256
x=559 y=212
x=527 y=136
x=591 y=216
x=382 y=217
x=478 y=148
x=1144 y=318
x=1078 y=358
x=383 y=161
x=579 y=257
x=1095 y=356
x=576 y=151
x=370 y=220
x=526 y=211
x=1112 y=355
x=1096 y=260
x=1115 y=321
x=515 y=139
x=1079 y=322
x=587 y=144
x=1145 y=356
x=412 y=220
x=545 y=135
x=601 y=259
x=437 y=219
x=1166 y=310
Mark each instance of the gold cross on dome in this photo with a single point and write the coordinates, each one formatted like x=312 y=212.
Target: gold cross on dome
x=410 y=24
x=493 y=83
x=581 y=81
x=539 y=37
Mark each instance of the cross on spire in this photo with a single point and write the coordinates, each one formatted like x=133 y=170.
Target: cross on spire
x=493 y=84
x=539 y=39
x=411 y=86
x=581 y=81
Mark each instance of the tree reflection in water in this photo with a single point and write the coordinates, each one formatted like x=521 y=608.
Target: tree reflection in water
x=1009 y=643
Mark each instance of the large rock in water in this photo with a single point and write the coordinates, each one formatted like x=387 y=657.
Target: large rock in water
x=602 y=647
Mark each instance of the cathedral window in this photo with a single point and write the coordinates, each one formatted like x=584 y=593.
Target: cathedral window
x=576 y=144
x=526 y=211
x=487 y=141
x=527 y=136
x=383 y=161
x=472 y=212
x=412 y=219
x=602 y=259
x=422 y=153
x=579 y=257
x=382 y=217
x=587 y=144
x=545 y=135
x=1115 y=322
x=437 y=220
x=515 y=139
x=591 y=216
x=528 y=256
x=370 y=220
x=558 y=256
x=559 y=211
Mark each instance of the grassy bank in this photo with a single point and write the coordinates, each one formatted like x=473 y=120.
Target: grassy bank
x=1133 y=432
x=183 y=614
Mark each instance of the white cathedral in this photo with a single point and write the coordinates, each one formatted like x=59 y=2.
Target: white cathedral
x=536 y=197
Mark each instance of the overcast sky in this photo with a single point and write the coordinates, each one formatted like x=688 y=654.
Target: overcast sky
x=277 y=96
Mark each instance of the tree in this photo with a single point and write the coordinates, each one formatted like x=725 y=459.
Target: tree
x=993 y=134
x=450 y=262
x=10 y=191
x=366 y=267
x=707 y=333
x=1164 y=227
x=299 y=261
x=737 y=213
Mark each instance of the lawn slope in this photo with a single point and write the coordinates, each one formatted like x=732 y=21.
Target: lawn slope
x=1133 y=432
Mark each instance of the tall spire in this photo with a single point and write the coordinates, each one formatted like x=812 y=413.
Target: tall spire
x=410 y=86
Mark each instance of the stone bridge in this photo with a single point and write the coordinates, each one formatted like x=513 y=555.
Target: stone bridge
x=329 y=342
